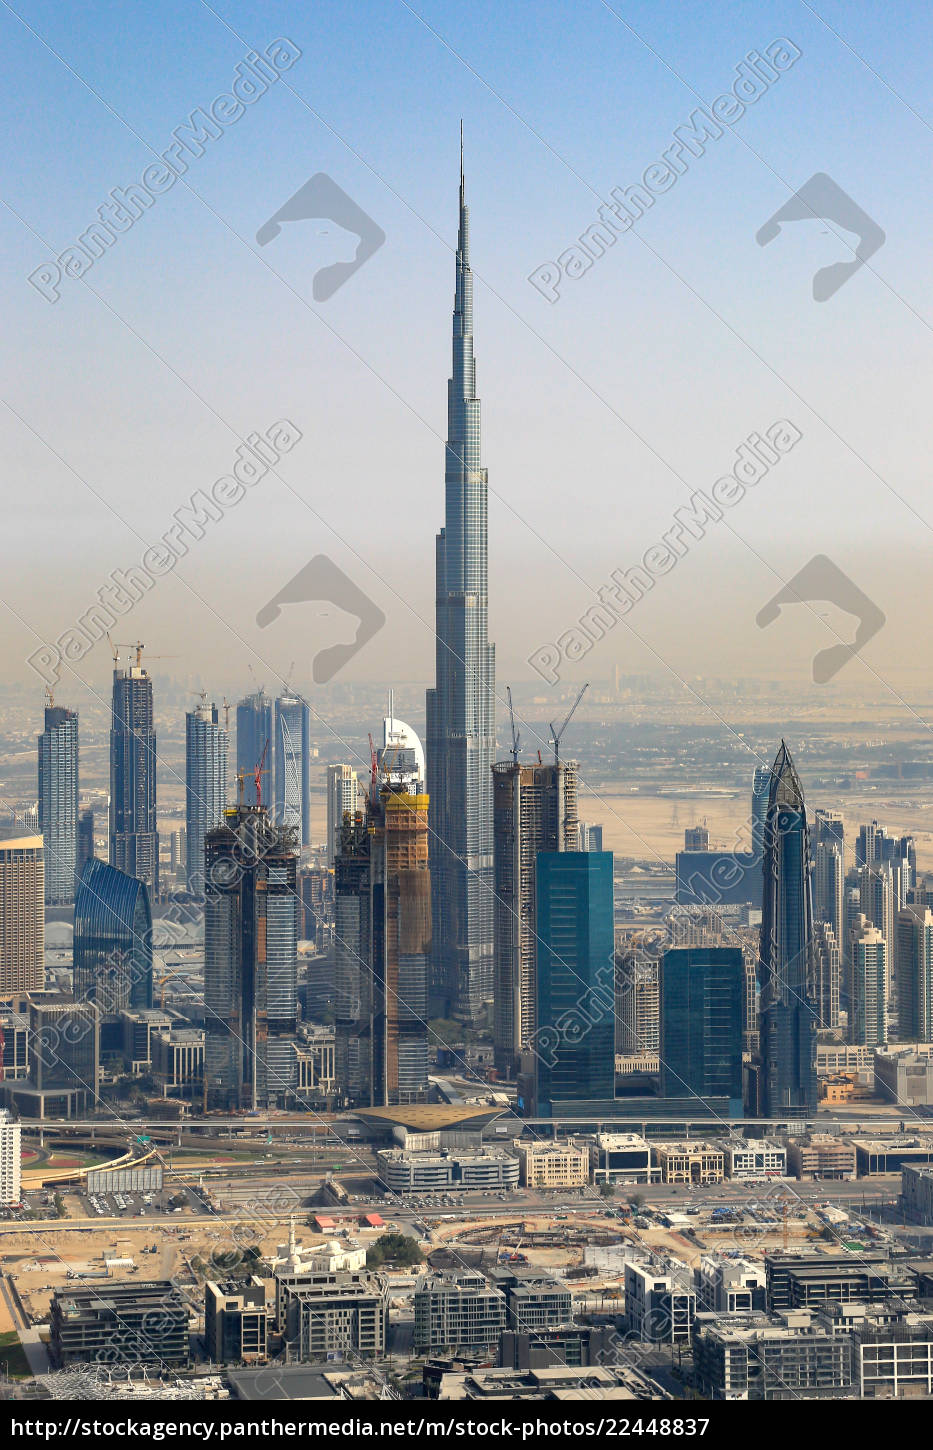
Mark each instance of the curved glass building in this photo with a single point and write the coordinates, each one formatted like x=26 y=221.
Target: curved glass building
x=112 y=939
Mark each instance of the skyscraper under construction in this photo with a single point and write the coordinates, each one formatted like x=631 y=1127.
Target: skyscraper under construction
x=534 y=809
x=460 y=709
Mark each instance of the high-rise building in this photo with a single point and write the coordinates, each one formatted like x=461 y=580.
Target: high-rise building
x=574 y=1042
x=868 y=1014
x=112 y=940
x=10 y=1160
x=701 y=1023
x=638 y=1004
x=914 y=967
x=342 y=791
x=293 y=765
x=85 y=840
x=829 y=829
x=534 y=809
x=461 y=707
x=828 y=886
x=250 y=961
x=134 y=843
x=22 y=916
x=205 y=785
x=58 y=803
x=787 y=1016
x=253 y=736
x=761 y=786
x=353 y=976
x=826 y=978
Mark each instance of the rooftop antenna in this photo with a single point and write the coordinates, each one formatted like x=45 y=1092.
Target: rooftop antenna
x=555 y=733
x=516 y=738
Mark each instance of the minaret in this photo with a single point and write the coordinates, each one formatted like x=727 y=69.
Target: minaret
x=460 y=709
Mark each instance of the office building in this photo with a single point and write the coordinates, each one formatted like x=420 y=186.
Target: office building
x=254 y=739
x=621 y=1158
x=22 y=916
x=637 y=1002
x=343 y=789
x=803 y=1278
x=443 y=1170
x=914 y=969
x=129 y=1323
x=353 y=976
x=250 y=962
x=134 y=843
x=293 y=766
x=755 y=1159
x=717 y=878
x=461 y=724
x=869 y=970
x=10 y=1160
x=904 y=1076
x=534 y=1300
x=697 y=1163
x=574 y=1042
x=534 y=809
x=64 y=1060
x=58 y=803
x=696 y=838
x=459 y=1312
x=112 y=940
x=553 y=1165
x=820 y=1156
x=205 y=786
x=589 y=837
x=701 y=1023
x=331 y=1314
x=237 y=1319
x=730 y=1286
x=788 y=1019
x=660 y=1301
x=751 y=1357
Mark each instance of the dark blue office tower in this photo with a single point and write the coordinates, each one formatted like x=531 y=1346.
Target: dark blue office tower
x=574 y=1042
x=788 y=1018
x=701 y=1023
x=253 y=735
x=112 y=939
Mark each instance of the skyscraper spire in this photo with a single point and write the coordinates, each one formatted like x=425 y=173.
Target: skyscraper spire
x=460 y=712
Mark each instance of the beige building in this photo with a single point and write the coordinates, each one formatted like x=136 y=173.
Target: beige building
x=22 y=917
x=820 y=1156
x=554 y=1165
x=690 y=1163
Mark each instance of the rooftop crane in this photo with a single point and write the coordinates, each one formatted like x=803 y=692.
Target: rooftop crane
x=557 y=734
x=138 y=646
x=259 y=772
x=516 y=738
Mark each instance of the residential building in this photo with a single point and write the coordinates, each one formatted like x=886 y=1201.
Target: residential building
x=237 y=1320
x=751 y=1357
x=134 y=842
x=22 y=916
x=914 y=968
x=10 y=1159
x=457 y=1310
x=343 y=789
x=869 y=969
x=730 y=1286
x=58 y=803
x=129 y=1323
x=254 y=742
x=293 y=766
x=660 y=1301
x=820 y=1156
x=205 y=786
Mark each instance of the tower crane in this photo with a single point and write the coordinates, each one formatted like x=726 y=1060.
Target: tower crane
x=557 y=734
x=516 y=738
x=259 y=772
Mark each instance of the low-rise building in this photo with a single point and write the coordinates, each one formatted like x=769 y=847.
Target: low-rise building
x=802 y=1278
x=660 y=1301
x=553 y=1382
x=890 y=1155
x=405 y=1172
x=904 y=1075
x=621 y=1158
x=820 y=1156
x=730 y=1286
x=237 y=1318
x=752 y=1357
x=554 y=1165
x=120 y=1323
x=457 y=1310
x=917 y=1193
x=533 y=1300
x=755 y=1159
x=690 y=1162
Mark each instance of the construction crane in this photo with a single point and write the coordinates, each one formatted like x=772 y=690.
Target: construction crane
x=557 y=734
x=258 y=773
x=138 y=646
x=516 y=738
x=226 y=715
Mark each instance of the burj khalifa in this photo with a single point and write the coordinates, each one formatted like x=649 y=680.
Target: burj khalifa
x=460 y=735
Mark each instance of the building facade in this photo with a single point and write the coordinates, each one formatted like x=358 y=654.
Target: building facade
x=112 y=940
x=701 y=1023
x=134 y=842
x=205 y=786
x=22 y=916
x=58 y=803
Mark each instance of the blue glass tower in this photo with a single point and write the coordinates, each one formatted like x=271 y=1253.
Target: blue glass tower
x=701 y=1023
x=205 y=785
x=112 y=939
x=460 y=709
x=788 y=1017
x=58 y=803
x=574 y=1041
x=253 y=734
x=134 y=842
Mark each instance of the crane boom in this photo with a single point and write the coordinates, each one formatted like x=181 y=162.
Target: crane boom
x=557 y=734
x=516 y=738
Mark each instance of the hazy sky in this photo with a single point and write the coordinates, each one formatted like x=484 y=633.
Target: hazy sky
x=603 y=411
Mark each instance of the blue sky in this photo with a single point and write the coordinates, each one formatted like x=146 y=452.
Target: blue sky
x=602 y=412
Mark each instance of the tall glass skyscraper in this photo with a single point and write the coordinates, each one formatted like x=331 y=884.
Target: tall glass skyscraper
x=788 y=1017
x=701 y=1023
x=253 y=734
x=112 y=940
x=293 y=765
x=574 y=1041
x=250 y=962
x=134 y=841
x=461 y=708
x=58 y=803
x=205 y=786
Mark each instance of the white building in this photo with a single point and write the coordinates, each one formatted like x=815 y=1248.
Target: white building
x=660 y=1301
x=755 y=1159
x=10 y=1182
x=730 y=1286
